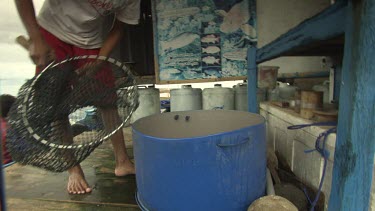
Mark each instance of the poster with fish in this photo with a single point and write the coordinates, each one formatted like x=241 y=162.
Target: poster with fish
x=202 y=40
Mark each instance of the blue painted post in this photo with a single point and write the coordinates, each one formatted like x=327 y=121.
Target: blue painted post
x=2 y=180
x=337 y=82
x=355 y=145
x=252 y=80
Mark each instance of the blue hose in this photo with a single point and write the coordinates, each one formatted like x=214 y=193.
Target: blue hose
x=322 y=151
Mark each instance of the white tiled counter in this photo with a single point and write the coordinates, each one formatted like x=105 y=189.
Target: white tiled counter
x=291 y=144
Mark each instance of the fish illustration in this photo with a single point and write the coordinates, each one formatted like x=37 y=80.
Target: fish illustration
x=179 y=41
x=211 y=49
x=205 y=8
x=170 y=73
x=239 y=55
x=188 y=74
x=210 y=39
x=212 y=73
x=237 y=18
x=210 y=60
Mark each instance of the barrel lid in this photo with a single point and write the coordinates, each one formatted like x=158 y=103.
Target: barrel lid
x=185 y=91
x=218 y=89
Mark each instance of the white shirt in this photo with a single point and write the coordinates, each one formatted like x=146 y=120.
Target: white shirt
x=81 y=22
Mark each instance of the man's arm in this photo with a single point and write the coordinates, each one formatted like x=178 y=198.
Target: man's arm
x=40 y=51
x=112 y=39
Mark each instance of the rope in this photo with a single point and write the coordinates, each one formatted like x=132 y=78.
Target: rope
x=320 y=146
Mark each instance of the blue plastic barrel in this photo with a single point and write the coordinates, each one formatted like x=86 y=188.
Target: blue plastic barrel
x=200 y=160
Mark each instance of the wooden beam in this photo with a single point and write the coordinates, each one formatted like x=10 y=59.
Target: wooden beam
x=201 y=80
x=252 y=80
x=328 y=24
x=317 y=74
x=145 y=79
x=355 y=145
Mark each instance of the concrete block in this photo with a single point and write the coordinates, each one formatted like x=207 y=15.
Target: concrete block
x=283 y=145
x=307 y=166
x=327 y=183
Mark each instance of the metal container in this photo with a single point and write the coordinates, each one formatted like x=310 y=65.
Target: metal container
x=310 y=101
x=200 y=160
x=218 y=98
x=323 y=88
x=267 y=76
x=286 y=91
x=149 y=103
x=241 y=96
x=186 y=99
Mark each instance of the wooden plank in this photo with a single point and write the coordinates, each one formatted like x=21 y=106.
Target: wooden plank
x=252 y=81
x=42 y=204
x=328 y=47
x=98 y=167
x=308 y=83
x=317 y=74
x=145 y=79
x=355 y=145
x=328 y=24
x=202 y=80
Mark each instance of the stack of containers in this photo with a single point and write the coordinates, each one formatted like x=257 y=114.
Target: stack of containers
x=241 y=97
x=218 y=97
x=267 y=77
x=186 y=99
x=149 y=103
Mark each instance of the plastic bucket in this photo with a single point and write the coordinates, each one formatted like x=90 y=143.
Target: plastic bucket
x=267 y=76
x=200 y=160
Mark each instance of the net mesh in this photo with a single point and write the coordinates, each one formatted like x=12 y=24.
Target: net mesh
x=64 y=113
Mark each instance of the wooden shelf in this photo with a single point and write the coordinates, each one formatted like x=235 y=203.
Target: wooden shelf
x=321 y=35
x=319 y=74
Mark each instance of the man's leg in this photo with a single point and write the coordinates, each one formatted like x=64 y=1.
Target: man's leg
x=77 y=183
x=111 y=120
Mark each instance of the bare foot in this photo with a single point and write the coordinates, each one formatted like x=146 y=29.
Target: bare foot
x=77 y=183
x=125 y=168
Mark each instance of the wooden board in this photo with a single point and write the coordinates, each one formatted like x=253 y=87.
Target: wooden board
x=355 y=145
x=31 y=187
x=319 y=35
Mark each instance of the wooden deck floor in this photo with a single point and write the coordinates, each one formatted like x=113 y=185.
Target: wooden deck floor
x=30 y=188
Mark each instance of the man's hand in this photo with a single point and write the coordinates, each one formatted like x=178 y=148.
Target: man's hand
x=40 y=52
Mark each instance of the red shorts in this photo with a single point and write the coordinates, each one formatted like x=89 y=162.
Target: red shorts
x=64 y=50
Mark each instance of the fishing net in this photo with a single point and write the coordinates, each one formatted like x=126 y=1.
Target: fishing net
x=64 y=113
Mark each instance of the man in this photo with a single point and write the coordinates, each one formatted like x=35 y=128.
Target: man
x=68 y=28
x=6 y=102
